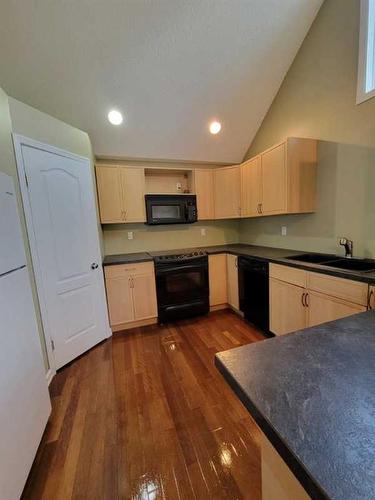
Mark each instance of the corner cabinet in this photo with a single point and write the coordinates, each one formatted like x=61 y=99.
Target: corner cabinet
x=121 y=194
x=281 y=180
x=227 y=192
x=131 y=295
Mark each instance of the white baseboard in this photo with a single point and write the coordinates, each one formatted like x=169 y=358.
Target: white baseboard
x=49 y=376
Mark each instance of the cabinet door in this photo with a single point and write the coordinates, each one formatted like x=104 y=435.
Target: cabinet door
x=323 y=308
x=120 y=300
x=204 y=189
x=274 y=179
x=287 y=309
x=109 y=194
x=217 y=269
x=227 y=182
x=133 y=193
x=232 y=281
x=251 y=187
x=144 y=296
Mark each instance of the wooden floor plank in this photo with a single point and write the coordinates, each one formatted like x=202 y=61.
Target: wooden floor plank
x=146 y=415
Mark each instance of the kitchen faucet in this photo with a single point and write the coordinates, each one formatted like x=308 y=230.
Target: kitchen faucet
x=348 y=245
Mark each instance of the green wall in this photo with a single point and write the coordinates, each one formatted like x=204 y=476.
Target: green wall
x=317 y=99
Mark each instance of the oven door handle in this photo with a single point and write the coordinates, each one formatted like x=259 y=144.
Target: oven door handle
x=178 y=268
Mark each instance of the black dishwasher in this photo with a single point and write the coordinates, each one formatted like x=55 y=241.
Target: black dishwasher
x=254 y=290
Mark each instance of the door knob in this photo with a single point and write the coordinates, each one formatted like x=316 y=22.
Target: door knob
x=94 y=265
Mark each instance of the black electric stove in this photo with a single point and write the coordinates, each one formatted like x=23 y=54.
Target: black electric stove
x=181 y=284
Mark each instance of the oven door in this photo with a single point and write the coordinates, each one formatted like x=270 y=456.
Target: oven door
x=166 y=211
x=181 y=283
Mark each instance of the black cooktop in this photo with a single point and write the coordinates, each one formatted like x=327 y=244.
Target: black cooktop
x=160 y=257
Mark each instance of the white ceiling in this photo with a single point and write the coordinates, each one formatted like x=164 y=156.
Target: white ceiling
x=169 y=65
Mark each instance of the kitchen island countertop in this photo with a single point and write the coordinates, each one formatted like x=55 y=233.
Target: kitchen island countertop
x=312 y=394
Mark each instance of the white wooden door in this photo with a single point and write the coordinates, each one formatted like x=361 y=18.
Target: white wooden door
x=71 y=285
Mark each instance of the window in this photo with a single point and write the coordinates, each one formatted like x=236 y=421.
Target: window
x=366 y=61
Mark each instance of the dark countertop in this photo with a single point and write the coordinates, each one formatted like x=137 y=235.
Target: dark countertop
x=126 y=258
x=276 y=255
x=313 y=394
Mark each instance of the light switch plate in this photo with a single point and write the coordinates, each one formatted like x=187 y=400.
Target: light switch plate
x=283 y=230
x=203 y=231
x=130 y=235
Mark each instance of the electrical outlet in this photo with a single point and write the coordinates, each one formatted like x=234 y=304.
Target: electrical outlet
x=178 y=186
x=283 y=231
x=203 y=231
x=130 y=235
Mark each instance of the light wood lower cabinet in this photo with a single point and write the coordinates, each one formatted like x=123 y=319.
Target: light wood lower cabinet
x=323 y=308
x=288 y=312
x=278 y=481
x=232 y=281
x=299 y=299
x=131 y=294
x=217 y=270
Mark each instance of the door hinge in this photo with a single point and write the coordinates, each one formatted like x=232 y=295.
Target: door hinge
x=52 y=345
x=27 y=181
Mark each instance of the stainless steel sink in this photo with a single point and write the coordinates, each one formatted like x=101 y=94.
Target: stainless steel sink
x=360 y=265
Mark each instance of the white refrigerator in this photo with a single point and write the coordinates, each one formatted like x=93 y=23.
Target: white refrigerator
x=24 y=399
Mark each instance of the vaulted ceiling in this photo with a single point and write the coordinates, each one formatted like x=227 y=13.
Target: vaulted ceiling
x=171 y=66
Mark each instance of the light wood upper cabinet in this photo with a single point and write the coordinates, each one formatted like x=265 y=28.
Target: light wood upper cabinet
x=227 y=193
x=131 y=293
x=251 y=187
x=232 y=281
x=217 y=271
x=133 y=191
x=109 y=194
x=274 y=175
x=121 y=194
x=204 y=189
x=286 y=174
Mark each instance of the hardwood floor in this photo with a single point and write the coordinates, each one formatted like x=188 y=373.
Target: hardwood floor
x=146 y=415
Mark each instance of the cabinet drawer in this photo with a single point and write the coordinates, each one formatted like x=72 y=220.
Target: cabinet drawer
x=352 y=291
x=288 y=274
x=122 y=270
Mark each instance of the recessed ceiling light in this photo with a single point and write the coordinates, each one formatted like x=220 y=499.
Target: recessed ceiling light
x=215 y=127
x=115 y=117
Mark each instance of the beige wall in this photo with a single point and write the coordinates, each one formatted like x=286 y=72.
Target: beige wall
x=19 y=118
x=317 y=99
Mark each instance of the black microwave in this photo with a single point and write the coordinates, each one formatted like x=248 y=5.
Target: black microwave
x=171 y=208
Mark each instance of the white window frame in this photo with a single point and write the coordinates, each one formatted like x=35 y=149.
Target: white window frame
x=366 y=59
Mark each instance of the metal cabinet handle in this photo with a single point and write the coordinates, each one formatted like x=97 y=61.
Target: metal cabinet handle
x=307 y=301
x=261 y=207
x=303 y=299
x=370 y=295
x=236 y=262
